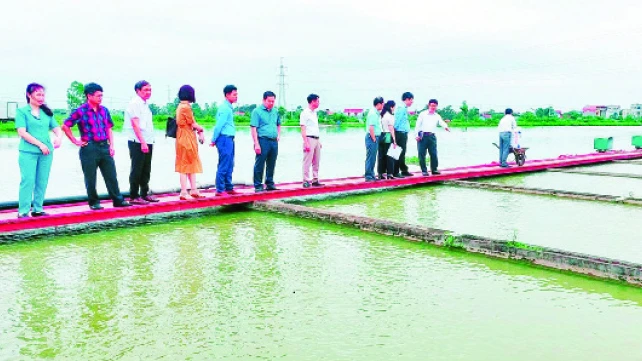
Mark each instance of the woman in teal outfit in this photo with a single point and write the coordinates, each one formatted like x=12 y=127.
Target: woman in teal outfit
x=33 y=124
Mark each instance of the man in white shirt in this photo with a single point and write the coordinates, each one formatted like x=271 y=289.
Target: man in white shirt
x=506 y=128
x=425 y=129
x=309 y=122
x=139 y=127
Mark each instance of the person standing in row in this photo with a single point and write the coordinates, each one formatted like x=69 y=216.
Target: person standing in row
x=373 y=131
x=402 y=128
x=386 y=163
x=265 y=126
x=309 y=122
x=96 y=146
x=139 y=127
x=33 y=123
x=506 y=128
x=425 y=129
x=223 y=140
x=188 y=163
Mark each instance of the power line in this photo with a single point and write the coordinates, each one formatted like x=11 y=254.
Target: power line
x=282 y=84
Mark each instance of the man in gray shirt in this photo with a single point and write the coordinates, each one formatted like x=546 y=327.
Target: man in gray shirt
x=265 y=126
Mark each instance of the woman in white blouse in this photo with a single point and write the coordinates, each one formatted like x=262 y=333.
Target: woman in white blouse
x=386 y=164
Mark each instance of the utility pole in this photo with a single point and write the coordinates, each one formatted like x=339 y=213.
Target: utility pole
x=282 y=84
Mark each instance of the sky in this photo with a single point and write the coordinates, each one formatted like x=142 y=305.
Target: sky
x=495 y=54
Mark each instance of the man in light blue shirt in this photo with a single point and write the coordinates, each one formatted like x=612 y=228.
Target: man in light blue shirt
x=373 y=131
x=402 y=127
x=223 y=139
x=265 y=126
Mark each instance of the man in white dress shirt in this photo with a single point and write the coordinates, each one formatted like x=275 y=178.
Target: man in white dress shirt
x=425 y=129
x=311 y=145
x=139 y=127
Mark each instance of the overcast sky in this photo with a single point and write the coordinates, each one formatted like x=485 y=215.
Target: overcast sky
x=493 y=54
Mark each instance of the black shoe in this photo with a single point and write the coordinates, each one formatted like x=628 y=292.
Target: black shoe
x=306 y=184
x=259 y=190
x=122 y=204
x=39 y=214
x=138 y=201
x=317 y=184
x=399 y=175
x=150 y=198
x=382 y=177
x=425 y=174
x=95 y=207
x=436 y=172
x=371 y=180
x=271 y=188
x=26 y=215
x=390 y=176
x=407 y=174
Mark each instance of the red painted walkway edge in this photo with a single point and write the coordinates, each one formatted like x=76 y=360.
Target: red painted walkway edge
x=335 y=186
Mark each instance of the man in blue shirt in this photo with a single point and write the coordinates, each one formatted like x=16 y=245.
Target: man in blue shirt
x=223 y=140
x=402 y=127
x=265 y=125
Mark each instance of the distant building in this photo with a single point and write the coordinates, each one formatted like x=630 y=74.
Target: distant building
x=635 y=111
x=352 y=111
x=604 y=111
x=611 y=110
x=590 y=110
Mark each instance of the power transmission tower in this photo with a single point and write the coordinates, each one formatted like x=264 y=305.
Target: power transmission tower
x=282 y=85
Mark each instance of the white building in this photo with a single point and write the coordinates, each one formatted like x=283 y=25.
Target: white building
x=8 y=110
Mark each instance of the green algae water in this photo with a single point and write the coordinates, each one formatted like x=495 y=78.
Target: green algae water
x=243 y=286
x=600 y=229
x=612 y=186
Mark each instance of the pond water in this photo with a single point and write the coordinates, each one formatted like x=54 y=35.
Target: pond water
x=248 y=285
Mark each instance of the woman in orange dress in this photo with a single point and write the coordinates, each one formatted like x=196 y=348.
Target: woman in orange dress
x=187 y=161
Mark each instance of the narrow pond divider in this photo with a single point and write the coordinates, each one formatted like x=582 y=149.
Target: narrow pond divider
x=599 y=174
x=604 y=268
x=548 y=192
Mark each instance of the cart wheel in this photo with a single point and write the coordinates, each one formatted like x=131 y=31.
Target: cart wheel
x=520 y=159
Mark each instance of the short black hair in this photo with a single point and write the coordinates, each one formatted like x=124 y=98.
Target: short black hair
x=407 y=95
x=312 y=97
x=138 y=86
x=377 y=100
x=433 y=101
x=91 y=88
x=509 y=111
x=228 y=89
x=186 y=92
x=268 y=94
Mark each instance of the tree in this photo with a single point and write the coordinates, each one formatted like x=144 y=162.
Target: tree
x=75 y=95
x=473 y=114
x=282 y=111
x=196 y=109
x=155 y=109
x=447 y=112
x=464 y=109
x=247 y=108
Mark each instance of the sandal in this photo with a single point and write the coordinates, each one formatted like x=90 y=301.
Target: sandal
x=197 y=195
x=183 y=196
